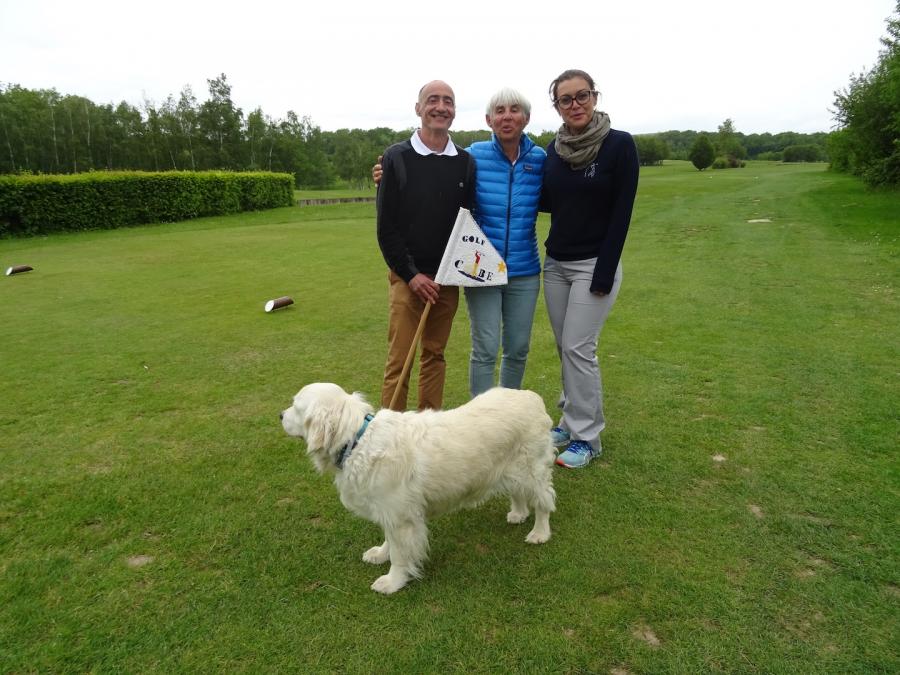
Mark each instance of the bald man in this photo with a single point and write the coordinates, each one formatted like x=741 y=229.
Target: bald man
x=426 y=180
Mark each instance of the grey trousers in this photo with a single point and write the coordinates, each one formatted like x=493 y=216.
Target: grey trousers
x=577 y=317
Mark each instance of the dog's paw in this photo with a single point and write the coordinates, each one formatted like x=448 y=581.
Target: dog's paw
x=516 y=517
x=387 y=584
x=538 y=536
x=377 y=555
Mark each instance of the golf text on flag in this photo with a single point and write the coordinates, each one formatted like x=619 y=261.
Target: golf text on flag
x=470 y=259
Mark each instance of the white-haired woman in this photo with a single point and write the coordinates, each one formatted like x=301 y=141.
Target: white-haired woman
x=508 y=178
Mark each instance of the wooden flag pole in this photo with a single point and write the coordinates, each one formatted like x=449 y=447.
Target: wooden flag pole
x=411 y=355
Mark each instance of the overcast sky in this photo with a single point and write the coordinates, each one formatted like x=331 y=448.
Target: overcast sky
x=770 y=65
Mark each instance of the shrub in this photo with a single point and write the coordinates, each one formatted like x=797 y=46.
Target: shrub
x=56 y=203
x=840 y=150
x=702 y=153
x=728 y=143
x=802 y=153
x=883 y=171
x=728 y=163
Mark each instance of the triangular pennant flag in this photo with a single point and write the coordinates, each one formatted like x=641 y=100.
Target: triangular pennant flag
x=470 y=259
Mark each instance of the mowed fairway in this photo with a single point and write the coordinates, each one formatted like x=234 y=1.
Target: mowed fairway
x=744 y=516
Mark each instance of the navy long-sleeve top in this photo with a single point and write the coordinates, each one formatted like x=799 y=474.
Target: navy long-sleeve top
x=590 y=208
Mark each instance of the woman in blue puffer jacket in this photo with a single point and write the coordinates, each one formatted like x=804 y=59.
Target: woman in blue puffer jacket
x=508 y=178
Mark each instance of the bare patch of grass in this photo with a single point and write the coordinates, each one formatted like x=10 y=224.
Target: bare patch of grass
x=644 y=633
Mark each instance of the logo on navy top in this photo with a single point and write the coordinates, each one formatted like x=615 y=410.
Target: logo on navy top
x=591 y=171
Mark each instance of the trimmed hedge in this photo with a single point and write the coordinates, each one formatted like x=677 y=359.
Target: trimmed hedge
x=89 y=201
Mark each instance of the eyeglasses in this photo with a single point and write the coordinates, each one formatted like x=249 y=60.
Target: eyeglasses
x=565 y=101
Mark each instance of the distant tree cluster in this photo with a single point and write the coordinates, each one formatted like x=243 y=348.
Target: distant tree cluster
x=652 y=150
x=729 y=148
x=765 y=146
x=42 y=131
x=543 y=139
x=803 y=153
x=867 y=142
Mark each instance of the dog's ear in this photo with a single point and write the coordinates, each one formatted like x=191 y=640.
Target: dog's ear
x=320 y=428
x=347 y=416
x=330 y=423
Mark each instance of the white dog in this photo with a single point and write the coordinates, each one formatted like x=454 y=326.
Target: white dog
x=398 y=469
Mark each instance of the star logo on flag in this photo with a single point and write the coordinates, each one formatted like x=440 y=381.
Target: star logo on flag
x=501 y=266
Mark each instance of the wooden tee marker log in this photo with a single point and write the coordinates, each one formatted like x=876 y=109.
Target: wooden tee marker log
x=18 y=269
x=278 y=303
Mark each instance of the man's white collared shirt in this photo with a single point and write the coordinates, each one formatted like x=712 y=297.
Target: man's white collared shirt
x=422 y=149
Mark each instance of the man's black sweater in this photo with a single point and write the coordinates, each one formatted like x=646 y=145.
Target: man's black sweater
x=418 y=199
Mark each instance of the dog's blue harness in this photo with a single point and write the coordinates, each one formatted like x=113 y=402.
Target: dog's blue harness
x=347 y=449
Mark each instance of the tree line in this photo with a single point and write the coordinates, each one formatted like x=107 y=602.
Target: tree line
x=731 y=145
x=42 y=131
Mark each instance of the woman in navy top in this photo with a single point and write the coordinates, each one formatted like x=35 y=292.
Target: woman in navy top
x=590 y=181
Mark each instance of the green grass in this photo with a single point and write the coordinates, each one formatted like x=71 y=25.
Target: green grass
x=743 y=519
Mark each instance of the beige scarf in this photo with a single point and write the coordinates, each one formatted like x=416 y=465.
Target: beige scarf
x=579 y=150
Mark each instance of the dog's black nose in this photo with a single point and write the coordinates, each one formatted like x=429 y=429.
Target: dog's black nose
x=281 y=416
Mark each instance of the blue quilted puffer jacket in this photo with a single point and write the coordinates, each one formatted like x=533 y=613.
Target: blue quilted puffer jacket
x=506 y=201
